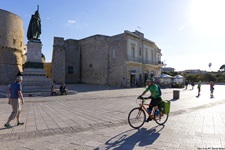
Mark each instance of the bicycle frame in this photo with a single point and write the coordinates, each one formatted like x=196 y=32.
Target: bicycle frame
x=142 y=106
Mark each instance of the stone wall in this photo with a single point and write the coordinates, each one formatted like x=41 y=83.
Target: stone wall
x=11 y=46
x=72 y=61
x=94 y=59
x=48 y=69
x=58 y=61
x=117 y=59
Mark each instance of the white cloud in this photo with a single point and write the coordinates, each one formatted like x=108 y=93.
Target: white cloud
x=71 y=21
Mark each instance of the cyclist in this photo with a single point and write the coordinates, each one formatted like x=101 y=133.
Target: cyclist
x=155 y=96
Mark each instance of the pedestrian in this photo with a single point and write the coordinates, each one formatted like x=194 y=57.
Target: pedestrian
x=192 y=84
x=211 y=89
x=124 y=82
x=63 y=89
x=15 y=99
x=199 y=88
x=186 y=84
x=53 y=92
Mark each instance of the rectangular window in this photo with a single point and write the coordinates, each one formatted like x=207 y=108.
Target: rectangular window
x=146 y=55
x=70 y=69
x=133 y=52
x=152 y=55
x=140 y=51
x=114 y=53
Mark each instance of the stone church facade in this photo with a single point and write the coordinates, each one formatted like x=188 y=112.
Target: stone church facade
x=120 y=60
x=11 y=46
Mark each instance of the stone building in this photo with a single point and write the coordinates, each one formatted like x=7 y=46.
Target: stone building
x=48 y=69
x=66 y=62
x=120 y=60
x=11 y=46
x=167 y=69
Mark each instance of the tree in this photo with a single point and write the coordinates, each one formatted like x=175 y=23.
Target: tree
x=209 y=77
x=210 y=64
x=222 y=68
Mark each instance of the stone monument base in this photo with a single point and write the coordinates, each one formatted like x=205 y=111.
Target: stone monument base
x=35 y=82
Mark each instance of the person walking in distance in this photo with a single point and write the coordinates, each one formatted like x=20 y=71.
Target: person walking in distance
x=186 y=84
x=15 y=99
x=192 y=84
x=211 y=89
x=199 y=88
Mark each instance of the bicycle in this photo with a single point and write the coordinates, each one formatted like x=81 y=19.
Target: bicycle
x=137 y=116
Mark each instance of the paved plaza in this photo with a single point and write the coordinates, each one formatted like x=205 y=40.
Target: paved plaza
x=96 y=118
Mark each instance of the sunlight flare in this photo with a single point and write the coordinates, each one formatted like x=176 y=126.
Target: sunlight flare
x=208 y=16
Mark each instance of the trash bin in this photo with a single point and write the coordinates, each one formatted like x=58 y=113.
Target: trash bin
x=176 y=94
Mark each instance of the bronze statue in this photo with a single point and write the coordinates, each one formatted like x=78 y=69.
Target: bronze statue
x=34 y=29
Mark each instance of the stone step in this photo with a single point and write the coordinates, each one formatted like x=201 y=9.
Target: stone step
x=44 y=93
x=4 y=94
x=36 y=87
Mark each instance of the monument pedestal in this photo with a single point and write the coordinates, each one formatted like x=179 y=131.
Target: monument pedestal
x=35 y=82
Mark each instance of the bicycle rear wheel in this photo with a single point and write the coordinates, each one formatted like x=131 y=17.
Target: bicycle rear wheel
x=161 y=118
x=136 y=117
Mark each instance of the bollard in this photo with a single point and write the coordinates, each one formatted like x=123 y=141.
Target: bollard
x=176 y=94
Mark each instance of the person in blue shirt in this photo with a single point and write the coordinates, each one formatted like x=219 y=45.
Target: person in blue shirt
x=15 y=99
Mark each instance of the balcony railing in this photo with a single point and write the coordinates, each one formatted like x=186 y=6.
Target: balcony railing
x=140 y=60
x=160 y=62
x=150 y=62
x=135 y=59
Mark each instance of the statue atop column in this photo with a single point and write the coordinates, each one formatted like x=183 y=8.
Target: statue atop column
x=34 y=28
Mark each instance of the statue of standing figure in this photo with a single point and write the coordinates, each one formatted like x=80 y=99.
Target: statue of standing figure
x=34 y=28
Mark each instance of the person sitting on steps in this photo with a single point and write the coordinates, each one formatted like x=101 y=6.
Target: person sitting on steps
x=53 y=92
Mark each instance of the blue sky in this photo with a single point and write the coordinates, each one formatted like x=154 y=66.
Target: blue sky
x=190 y=33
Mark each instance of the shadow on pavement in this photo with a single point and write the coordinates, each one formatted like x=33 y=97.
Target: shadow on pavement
x=173 y=100
x=3 y=128
x=128 y=139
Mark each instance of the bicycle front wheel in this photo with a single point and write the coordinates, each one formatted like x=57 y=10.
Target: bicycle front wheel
x=136 y=118
x=161 y=118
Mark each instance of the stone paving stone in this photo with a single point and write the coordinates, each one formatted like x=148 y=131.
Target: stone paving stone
x=18 y=130
x=52 y=126
x=198 y=125
x=30 y=128
x=92 y=143
x=42 y=127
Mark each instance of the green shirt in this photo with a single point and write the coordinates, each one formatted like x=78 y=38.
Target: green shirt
x=153 y=88
x=199 y=85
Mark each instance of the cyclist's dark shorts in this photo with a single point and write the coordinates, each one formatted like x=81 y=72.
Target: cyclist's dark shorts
x=155 y=101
